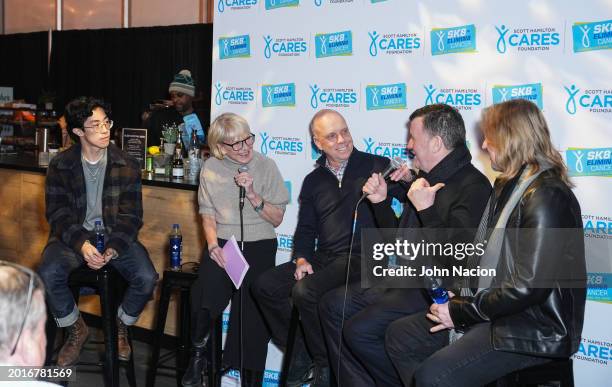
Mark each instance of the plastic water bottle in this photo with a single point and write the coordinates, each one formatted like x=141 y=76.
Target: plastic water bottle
x=176 y=247
x=438 y=294
x=99 y=231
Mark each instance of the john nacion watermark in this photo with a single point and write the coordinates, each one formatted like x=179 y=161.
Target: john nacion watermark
x=408 y=258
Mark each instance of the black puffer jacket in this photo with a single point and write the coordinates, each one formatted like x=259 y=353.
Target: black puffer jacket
x=525 y=316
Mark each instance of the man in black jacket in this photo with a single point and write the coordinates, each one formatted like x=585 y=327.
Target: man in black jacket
x=448 y=193
x=532 y=310
x=322 y=241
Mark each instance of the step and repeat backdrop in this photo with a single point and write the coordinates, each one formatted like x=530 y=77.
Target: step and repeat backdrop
x=276 y=62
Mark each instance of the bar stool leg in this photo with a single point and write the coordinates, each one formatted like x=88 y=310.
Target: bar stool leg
x=293 y=326
x=214 y=349
x=162 y=313
x=130 y=372
x=184 y=335
x=109 y=323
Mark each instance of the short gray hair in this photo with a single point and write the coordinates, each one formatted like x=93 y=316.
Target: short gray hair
x=442 y=120
x=319 y=114
x=14 y=284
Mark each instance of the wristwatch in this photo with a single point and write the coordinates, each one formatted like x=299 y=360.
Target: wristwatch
x=260 y=207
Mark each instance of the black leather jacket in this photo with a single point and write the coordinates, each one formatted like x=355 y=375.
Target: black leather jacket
x=525 y=317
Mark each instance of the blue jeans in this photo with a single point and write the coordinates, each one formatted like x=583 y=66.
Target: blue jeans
x=424 y=359
x=59 y=260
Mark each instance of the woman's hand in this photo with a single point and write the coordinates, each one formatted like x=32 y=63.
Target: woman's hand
x=216 y=254
x=244 y=179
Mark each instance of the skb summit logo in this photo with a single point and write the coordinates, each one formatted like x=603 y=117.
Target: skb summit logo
x=284 y=46
x=453 y=40
x=526 y=38
x=395 y=43
x=234 y=5
x=460 y=98
x=592 y=36
x=235 y=47
x=278 y=95
x=391 y=96
x=331 y=97
x=530 y=91
x=334 y=44
x=592 y=100
x=589 y=162
x=273 y=4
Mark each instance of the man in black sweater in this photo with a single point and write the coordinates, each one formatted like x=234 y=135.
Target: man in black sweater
x=321 y=242
x=447 y=193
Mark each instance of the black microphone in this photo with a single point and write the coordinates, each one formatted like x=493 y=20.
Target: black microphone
x=394 y=164
x=243 y=168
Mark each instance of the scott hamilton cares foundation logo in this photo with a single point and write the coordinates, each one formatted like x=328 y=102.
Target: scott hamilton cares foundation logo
x=526 y=38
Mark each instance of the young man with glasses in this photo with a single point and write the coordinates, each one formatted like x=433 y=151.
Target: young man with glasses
x=321 y=243
x=93 y=181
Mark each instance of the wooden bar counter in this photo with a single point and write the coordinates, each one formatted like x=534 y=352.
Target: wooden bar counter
x=24 y=229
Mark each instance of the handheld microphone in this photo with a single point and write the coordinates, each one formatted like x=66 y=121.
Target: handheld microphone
x=243 y=168
x=394 y=164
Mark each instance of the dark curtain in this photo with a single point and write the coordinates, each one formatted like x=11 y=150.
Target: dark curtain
x=23 y=64
x=131 y=67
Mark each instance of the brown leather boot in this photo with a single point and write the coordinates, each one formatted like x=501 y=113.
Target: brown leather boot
x=123 y=345
x=77 y=336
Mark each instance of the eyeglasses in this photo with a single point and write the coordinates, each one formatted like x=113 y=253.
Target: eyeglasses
x=101 y=126
x=333 y=137
x=31 y=276
x=238 y=145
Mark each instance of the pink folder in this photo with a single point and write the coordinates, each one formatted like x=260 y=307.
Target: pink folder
x=236 y=266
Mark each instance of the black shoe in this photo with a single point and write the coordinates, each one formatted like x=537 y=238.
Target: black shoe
x=301 y=367
x=195 y=369
x=321 y=377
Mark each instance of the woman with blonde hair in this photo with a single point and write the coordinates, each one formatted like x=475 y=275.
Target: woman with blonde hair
x=231 y=143
x=532 y=310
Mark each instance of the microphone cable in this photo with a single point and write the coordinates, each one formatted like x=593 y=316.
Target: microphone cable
x=346 y=282
x=394 y=164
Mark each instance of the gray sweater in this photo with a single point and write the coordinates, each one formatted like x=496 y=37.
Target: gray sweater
x=218 y=196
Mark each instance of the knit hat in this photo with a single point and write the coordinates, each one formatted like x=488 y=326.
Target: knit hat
x=183 y=83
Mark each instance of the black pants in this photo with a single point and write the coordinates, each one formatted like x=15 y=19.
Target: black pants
x=213 y=290
x=275 y=287
x=368 y=313
x=426 y=359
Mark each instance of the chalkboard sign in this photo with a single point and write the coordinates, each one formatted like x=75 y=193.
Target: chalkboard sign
x=134 y=143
